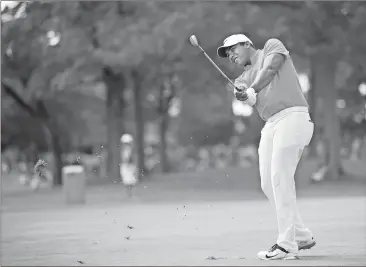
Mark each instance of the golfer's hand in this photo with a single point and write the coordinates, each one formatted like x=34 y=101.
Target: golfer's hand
x=239 y=87
x=240 y=94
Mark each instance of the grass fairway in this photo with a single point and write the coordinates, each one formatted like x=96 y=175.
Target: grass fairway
x=179 y=219
x=180 y=232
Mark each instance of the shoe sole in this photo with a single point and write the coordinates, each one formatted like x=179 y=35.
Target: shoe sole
x=286 y=258
x=308 y=246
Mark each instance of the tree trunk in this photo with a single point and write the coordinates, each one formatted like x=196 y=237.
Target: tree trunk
x=115 y=83
x=165 y=96
x=57 y=156
x=324 y=68
x=314 y=94
x=140 y=129
x=53 y=141
x=163 y=144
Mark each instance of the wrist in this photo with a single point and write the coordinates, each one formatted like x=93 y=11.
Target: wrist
x=254 y=87
x=252 y=96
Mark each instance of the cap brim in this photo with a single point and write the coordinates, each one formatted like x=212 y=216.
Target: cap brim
x=221 y=51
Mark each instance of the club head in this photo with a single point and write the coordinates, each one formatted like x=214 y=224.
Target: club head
x=193 y=40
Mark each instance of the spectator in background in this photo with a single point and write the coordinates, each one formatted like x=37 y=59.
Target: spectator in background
x=128 y=170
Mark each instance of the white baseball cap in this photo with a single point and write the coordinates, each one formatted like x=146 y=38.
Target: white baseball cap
x=230 y=41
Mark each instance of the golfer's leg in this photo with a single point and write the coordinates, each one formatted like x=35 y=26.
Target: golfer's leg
x=265 y=157
x=301 y=232
x=284 y=162
x=292 y=134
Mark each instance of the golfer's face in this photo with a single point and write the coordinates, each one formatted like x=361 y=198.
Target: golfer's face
x=238 y=54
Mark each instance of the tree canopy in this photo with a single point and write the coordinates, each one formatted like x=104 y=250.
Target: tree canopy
x=55 y=54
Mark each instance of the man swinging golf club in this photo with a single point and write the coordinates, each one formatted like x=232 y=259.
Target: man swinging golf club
x=270 y=83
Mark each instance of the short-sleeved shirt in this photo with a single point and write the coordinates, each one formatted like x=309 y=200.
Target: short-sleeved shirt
x=284 y=91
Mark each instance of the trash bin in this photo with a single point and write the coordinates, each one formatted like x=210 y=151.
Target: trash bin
x=73 y=178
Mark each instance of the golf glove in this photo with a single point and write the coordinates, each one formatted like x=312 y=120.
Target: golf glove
x=252 y=97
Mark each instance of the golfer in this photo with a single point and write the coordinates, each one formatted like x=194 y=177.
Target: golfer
x=270 y=83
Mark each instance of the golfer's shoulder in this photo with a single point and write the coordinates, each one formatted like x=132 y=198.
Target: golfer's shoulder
x=273 y=42
x=274 y=45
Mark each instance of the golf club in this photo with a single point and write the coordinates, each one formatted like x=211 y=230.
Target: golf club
x=194 y=42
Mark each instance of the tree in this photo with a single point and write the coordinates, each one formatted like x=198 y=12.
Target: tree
x=123 y=55
x=85 y=32
x=23 y=71
x=31 y=62
x=133 y=43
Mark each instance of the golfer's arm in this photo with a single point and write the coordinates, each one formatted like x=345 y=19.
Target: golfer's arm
x=271 y=66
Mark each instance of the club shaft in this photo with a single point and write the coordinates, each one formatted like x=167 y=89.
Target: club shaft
x=217 y=67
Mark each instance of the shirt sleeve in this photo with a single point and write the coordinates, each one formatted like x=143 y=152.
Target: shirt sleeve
x=274 y=46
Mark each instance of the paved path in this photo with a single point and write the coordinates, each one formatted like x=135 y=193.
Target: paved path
x=179 y=233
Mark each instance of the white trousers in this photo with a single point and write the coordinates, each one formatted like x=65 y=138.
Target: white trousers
x=283 y=139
